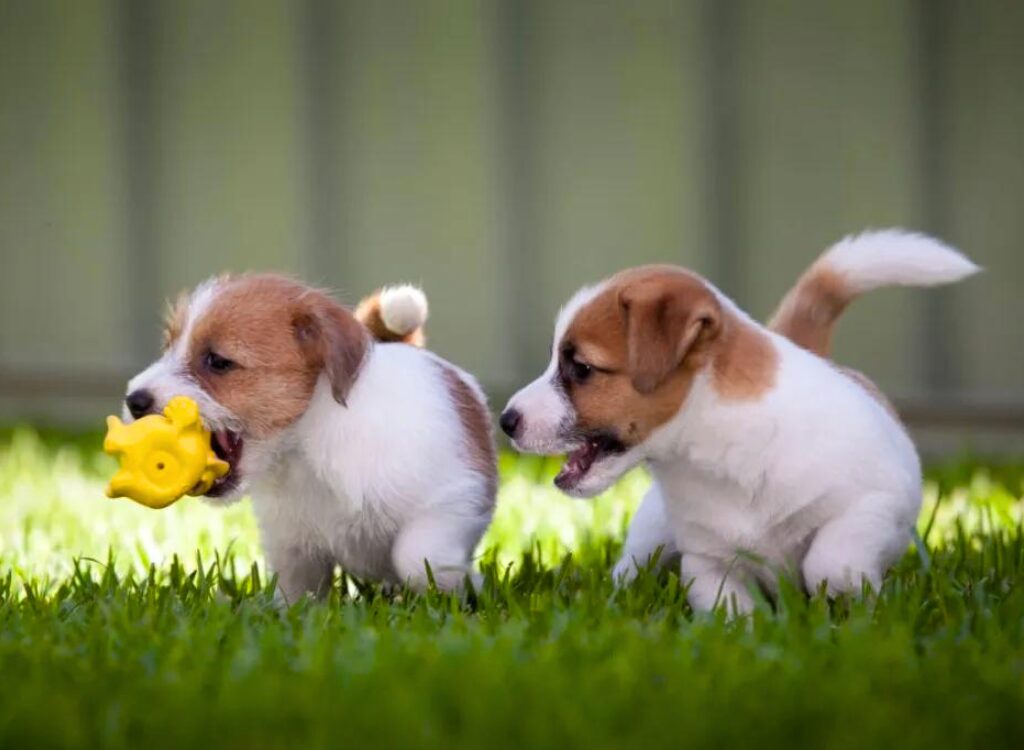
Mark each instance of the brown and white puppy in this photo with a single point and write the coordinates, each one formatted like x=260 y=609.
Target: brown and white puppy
x=374 y=456
x=766 y=457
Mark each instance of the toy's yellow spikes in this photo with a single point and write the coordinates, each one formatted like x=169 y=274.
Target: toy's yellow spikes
x=163 y=456
x=183 y=412
x=118 y=437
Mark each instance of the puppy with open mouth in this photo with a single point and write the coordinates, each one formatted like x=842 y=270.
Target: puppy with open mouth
x=766 y=456
x=358 y=447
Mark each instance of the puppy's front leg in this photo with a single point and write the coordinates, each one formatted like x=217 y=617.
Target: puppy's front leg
x=300 y=571
x=713 y=583
x=648 y=531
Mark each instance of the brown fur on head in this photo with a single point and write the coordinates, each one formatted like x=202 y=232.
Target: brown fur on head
x=251 y=351
x=646 y=335
x=667 y=314
x=627 y=355
x=260 y=344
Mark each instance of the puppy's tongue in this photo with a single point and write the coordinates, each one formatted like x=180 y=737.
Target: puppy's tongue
x=577 y=464
x=227 y=445
x=228 y=441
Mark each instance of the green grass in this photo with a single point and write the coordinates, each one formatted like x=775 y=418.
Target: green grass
x=177 y=642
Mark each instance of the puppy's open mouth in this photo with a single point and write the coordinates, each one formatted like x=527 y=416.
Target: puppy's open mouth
x=228 y=447
x=581 y=460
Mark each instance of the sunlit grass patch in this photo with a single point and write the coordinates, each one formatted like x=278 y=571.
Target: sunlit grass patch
x=126 y=627
x=53 y=510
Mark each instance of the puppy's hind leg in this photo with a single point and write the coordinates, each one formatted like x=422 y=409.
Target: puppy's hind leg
x=858 y=545
x=444 y=540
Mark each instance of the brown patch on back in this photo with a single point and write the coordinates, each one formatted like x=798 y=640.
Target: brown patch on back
x=809 y=311
x=281 y=335
x=746 y=363
x=368 y=313
x=807 y=315
x=476 y=426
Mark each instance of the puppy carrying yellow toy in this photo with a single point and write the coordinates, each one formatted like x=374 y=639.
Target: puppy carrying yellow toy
x=163 y=456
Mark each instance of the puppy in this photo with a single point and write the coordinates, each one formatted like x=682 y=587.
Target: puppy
x=766 y=457
x=366 y=453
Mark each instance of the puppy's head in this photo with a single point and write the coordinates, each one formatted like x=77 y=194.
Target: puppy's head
x=250 y=351
x=625 y=355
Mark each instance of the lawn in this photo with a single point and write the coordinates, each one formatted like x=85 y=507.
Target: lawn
x=125 y=627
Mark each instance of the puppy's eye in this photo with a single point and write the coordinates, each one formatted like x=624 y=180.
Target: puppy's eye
x=580 y=371
x=218 y=364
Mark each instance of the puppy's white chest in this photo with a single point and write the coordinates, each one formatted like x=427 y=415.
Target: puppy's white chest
x=297 y=509
x=719 y=518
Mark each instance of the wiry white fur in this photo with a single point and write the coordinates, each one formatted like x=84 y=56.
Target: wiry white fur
x=379 y=486
x=403 y=308
x=895 y=257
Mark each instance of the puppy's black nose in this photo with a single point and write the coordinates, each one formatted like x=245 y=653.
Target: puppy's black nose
x=139 y=403
x=510 y=421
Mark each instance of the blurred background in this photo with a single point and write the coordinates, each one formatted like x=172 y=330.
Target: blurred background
x=502 y=153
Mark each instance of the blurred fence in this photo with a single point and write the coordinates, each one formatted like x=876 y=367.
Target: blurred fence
x=503 y=153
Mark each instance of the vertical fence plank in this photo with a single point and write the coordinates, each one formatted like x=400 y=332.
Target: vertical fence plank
x=828 y=147
x=232 y=193
x=61 y=189
x=420 y=170
x=985 y=154
x=62 y=198
x=721 y=143
x=321 y=43
x=137 y=42
x=933 y=36
x=617 y=123
x=524 y=320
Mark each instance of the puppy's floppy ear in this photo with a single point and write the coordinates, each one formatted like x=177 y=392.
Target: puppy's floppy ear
x=666 y=319
x=333 y=340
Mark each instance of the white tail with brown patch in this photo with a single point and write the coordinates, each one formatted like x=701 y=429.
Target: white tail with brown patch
x=403 y=308
x=395 y=313
x=859 y=264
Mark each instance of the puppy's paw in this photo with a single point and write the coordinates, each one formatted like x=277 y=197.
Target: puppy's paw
x=625 y=571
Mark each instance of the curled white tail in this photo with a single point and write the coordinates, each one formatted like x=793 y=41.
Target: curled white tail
x=894 y=257
x=403 y=308
x=858 y=264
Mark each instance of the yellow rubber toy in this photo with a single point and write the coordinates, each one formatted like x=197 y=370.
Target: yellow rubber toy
x=163 y=456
